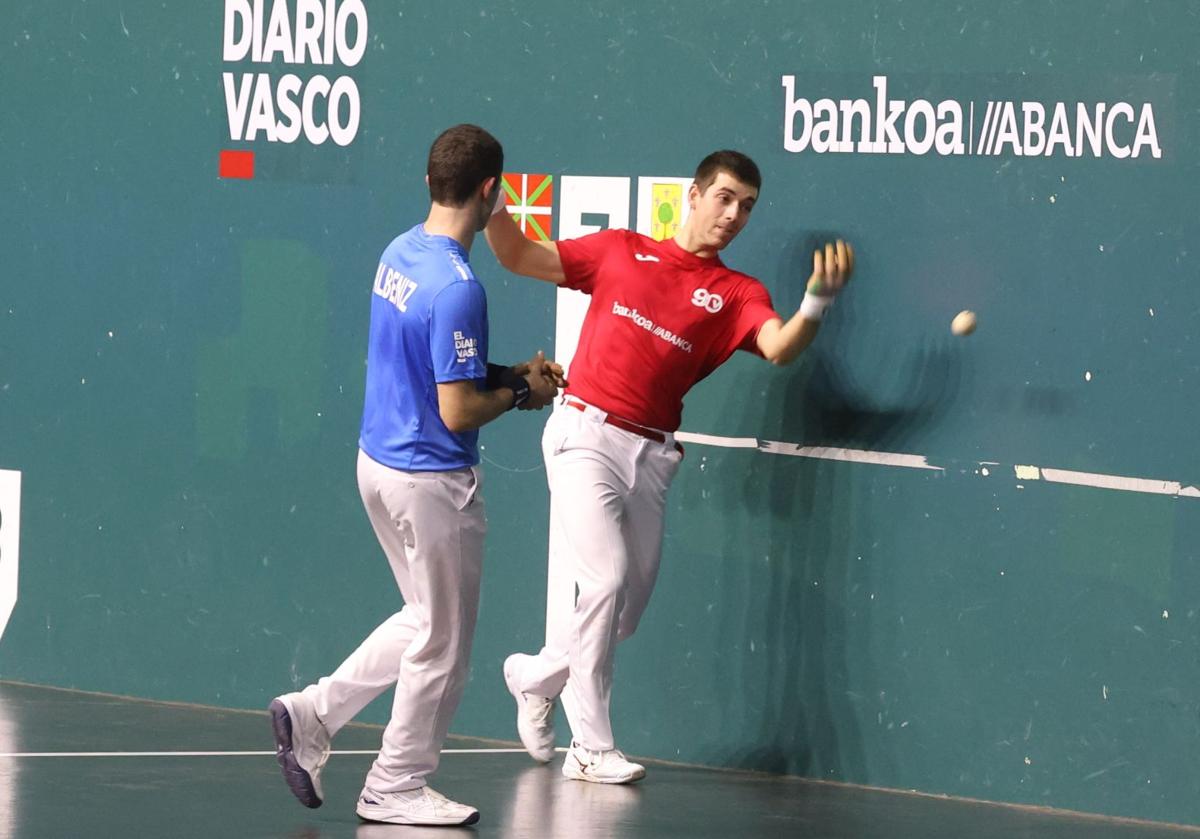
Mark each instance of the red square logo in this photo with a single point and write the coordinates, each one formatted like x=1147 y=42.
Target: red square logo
x=237 y=164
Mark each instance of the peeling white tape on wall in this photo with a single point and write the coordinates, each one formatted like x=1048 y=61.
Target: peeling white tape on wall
x=1152 y=486
x=10 y=537
x=985 y=469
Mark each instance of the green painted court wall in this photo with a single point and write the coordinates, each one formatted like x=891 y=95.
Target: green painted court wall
x=181 y=375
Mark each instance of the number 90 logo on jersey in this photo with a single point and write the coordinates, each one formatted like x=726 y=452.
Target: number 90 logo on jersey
x=711 y=303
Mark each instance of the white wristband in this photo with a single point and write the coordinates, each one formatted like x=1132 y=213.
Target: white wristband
x=813 y=306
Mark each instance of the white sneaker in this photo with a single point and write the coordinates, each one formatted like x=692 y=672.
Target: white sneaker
x=607 y=767
x=414 y=806
x=301 y=746
x=535 y=715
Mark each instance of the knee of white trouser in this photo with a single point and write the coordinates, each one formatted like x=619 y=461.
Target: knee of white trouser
x=450 y=647
x=602 y=594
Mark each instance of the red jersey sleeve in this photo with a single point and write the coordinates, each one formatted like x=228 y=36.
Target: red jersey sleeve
x=581 y=258
x=756 y=310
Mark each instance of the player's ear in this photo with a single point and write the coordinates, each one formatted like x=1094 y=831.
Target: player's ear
x=693 y=195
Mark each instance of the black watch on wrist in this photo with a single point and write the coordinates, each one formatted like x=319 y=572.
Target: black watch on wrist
x=520 y=389
x=499 y=376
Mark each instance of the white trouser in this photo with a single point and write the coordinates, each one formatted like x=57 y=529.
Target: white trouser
x=431 y=526
x=608 y=490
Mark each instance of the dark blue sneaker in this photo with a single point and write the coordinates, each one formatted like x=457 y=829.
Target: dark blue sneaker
x=301 y=746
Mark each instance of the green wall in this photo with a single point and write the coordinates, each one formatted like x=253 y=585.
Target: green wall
x=181 y=366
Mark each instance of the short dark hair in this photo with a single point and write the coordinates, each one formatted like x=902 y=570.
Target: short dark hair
x=731 y=162
x=460 y=159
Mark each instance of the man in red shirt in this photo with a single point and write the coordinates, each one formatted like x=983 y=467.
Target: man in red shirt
x=663 y=315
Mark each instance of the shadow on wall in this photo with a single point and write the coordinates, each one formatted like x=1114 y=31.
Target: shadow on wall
x=812 y=520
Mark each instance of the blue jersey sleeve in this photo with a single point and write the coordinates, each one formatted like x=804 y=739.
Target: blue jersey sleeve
x=458 y=332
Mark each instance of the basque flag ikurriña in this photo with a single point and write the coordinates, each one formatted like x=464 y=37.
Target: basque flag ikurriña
x=530 y=202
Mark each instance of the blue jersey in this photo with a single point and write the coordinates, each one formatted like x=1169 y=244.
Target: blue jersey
x=428 y=325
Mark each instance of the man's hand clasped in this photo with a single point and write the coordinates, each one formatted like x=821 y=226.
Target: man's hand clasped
x=544 y=377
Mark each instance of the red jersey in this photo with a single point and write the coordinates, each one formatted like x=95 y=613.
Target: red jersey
x=660 y=320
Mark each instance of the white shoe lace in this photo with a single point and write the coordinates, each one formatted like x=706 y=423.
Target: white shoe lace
x=599 y=758
x=443 y=805
x=611 y=756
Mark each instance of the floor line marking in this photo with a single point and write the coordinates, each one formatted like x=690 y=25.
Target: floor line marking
x=1096 y=480
x=243 y=753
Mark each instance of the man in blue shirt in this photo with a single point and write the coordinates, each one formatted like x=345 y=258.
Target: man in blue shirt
x=429 y=389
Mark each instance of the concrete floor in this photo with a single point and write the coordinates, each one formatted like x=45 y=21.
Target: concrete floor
x=66 y=770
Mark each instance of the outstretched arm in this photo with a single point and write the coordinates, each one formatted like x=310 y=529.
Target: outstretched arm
x=781 y=342
x=518 y=254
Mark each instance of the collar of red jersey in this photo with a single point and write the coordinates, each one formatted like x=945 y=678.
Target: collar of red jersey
x=670 y=248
